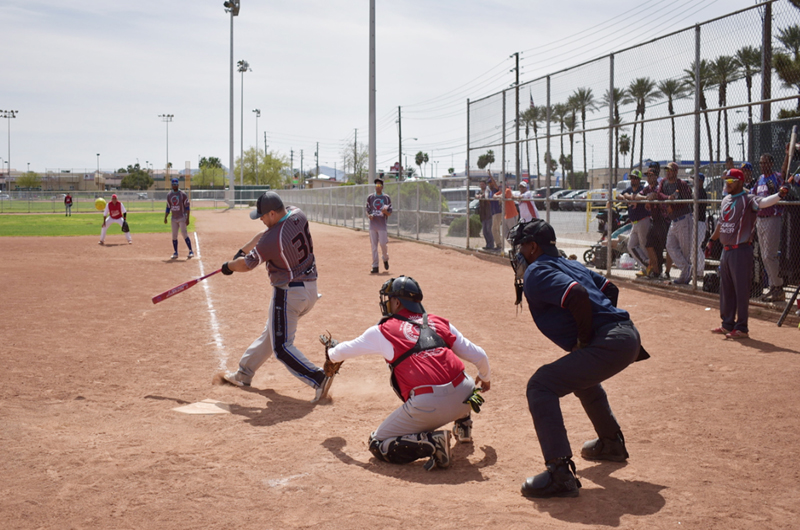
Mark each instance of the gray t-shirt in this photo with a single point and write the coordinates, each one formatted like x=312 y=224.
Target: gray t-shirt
x=287 y=250
x=178 y=204
x=375 y=205
x=737 y=218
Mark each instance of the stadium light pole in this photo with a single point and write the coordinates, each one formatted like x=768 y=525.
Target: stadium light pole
x=232 y=7
x=166 y=118
x=372 y=119
x=242 y=66
x=9 y=115
x=98 y=162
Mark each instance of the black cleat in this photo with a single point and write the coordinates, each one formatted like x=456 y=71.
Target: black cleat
x=374 y=270
x=558 y=481
x=612 y=449
x=386 y=265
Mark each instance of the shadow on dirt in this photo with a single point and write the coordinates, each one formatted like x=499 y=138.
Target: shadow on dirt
x=278 y=409
x=460 y=471
x=606 y=499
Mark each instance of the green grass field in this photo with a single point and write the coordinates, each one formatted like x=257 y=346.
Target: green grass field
x=80 y=225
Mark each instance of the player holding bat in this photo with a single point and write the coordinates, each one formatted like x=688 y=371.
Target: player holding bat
x=286 y=249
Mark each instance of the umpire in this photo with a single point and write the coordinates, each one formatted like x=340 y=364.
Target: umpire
x=577 y=310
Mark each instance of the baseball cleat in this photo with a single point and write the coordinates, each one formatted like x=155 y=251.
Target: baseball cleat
x=233 y=378
x=174 y=256
x=736 y=334
x=322 y=389
x=191 y=255
x=386 y=265
x=374 y=270
x=558 y=481
x=100 y=243
x=720 y=331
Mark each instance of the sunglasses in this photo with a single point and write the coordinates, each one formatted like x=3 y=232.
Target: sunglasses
x=732 y=181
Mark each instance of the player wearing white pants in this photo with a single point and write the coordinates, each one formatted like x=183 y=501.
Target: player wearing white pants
x=425 y=355
x=114 y=212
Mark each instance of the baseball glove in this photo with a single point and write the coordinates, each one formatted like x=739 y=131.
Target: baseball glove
x=125 y=227
x=331 y=368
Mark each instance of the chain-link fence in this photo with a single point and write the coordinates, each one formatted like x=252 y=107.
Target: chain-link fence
x=697 y=97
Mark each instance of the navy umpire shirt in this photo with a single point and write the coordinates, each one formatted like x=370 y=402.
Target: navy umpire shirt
x=547 y=283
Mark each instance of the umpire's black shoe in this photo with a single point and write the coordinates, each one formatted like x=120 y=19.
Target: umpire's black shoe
x=558 y=481
x=374 y=270
x=612 y=449
x=386 y=265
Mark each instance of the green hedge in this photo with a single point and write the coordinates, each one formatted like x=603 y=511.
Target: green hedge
x=457 y=227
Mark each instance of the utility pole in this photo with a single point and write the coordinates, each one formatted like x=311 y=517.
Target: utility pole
x=355 y=156
x=291 y=162
x=400 y=142
x=516 y=121
x=302 y=176
x=372 y=121
x=316 y=156
x=265 y=144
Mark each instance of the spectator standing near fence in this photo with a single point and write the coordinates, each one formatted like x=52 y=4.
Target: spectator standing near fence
x=640 y=219
x=497 y=211
x=749 y=181
x=701 y=225
x=485 y=214
x=527 y=209
x=510 y=215
x=659 y=224
x=769 y=226
x=68 y=205
x=738 y=213
x=679 y=235
x=379 y=208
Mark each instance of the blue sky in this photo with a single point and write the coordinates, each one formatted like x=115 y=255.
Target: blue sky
x=92 y=77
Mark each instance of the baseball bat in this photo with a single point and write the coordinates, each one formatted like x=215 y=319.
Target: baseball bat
x=790 y=154
x=182 y=287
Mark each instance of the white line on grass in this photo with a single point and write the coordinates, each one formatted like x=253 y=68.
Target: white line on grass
x=221 y=356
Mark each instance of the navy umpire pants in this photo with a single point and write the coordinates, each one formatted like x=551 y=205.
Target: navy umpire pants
x=580 y=372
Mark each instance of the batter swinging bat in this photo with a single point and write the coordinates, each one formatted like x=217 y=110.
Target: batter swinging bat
x=182 y=287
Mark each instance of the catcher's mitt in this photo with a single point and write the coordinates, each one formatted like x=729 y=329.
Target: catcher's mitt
x=125 y=227
x=331 y=368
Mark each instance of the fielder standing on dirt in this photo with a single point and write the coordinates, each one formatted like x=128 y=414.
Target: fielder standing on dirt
x=115 y=212
x=178 y=205
x=287 y=251
x=424 y=353
x=577 y=310
x=379 y=208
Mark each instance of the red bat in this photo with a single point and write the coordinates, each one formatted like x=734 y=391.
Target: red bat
x=182 y=287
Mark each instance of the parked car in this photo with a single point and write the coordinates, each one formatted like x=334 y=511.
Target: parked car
x=541 y=193
x=554 y=198
x=142 y=196
x=580 y=201
x=566 y=204
x=5 y=197
x=599 y=198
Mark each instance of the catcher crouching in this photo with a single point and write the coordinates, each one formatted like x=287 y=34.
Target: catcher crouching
x=424 y=354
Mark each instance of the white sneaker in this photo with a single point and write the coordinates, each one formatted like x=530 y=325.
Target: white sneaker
x=174 y=256
x=322 y=389
x=233 y=378
x=191 y=255
x=441 y=451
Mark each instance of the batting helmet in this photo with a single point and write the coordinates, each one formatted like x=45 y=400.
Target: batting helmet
x=405 y=289
x=175 y=181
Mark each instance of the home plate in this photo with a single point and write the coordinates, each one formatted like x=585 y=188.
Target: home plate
x=207 y=406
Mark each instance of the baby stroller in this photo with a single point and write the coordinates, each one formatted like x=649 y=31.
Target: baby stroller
x=597 y=256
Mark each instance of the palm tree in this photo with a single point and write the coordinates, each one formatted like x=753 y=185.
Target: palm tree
x=584 y=101
x=741 y=129
x=558 y=115
x=706 y=82
x=787 y=61
x=571 y=121
x=621 y=97
x=528 y=117
x=725 y=70
x=673 y=89
x=643 y=90
x=624 y=145
x=749 y=60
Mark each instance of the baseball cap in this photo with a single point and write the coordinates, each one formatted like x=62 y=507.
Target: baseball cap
x=673 y=166
x=734 y=174
x=524 y=183
x=114 y=196
x=747 y=165
x=635 y=174
x=378 y=179
x=701 y=176
x=655 y=166
x=175 y=181
x=538 y=231
x=268 y=202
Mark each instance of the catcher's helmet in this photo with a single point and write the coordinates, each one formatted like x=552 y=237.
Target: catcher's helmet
x=405 y=289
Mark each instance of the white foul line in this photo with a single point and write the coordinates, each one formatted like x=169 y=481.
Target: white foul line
x=221 y=356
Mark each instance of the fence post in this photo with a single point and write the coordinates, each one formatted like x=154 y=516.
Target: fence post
x=467 y=225
x=610 y=223
x=547 y=156
x=439 y=187
x=399 y=208
x=417 y=211
x=696 y=191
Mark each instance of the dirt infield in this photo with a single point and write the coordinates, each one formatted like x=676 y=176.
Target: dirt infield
x=93 y=370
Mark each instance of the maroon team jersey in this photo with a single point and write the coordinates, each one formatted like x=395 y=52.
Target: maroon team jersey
x=178 y=204
x=438 y=366
x=287 y=250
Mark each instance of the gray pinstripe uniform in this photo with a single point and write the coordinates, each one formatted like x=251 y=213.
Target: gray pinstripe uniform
x=288 y=252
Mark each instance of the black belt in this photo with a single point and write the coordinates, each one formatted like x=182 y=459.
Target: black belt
x=297 y=284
